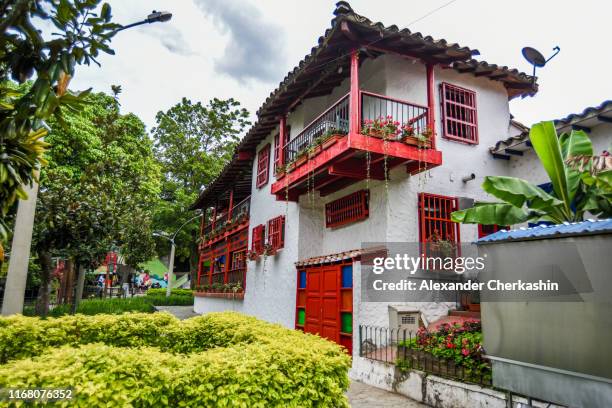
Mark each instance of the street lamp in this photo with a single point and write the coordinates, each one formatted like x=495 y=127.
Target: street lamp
x=171 y=238
x=154 y=17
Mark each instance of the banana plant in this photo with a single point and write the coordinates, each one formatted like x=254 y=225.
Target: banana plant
x=574 y=190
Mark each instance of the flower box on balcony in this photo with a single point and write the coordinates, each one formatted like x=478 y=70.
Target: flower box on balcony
x=415 y=141
x=331 y=140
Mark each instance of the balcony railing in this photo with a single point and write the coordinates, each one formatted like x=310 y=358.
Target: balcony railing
x=334 y=120
x=241 y=209
x=374 y=106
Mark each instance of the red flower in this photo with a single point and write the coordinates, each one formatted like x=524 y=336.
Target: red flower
x=465 y=352
x=450 y=345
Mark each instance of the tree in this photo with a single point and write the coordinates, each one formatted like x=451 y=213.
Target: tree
x=192 y=142
x=99 y=189
x=576 y=190
x=79 y=33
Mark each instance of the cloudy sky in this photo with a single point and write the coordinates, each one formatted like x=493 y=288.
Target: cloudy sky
x=244 y=48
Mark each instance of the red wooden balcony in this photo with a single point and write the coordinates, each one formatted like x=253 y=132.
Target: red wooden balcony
x=328 y=156
x=225 y=224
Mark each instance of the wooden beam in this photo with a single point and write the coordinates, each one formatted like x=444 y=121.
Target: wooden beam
x=332 y=188
x=514 y=152
x=355 y=169
x=583 y=128
x=603 y=118
x=501 y=156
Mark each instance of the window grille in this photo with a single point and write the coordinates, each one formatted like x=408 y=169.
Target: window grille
x=348 y=209
x=257 y=243
x=435 y=223
x=276 y=232
x=459 y=117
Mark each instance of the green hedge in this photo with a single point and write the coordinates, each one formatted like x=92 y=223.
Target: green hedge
x=162 y=292
x=178 y=297
x=106 y=306
x=221 y=359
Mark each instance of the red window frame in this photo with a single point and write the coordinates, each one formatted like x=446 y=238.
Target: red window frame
x=484 y=230
x=257 y=241
x=459 y=113
x=347 y=209
x=435 y=219
x=276 y=232
x=263 y=166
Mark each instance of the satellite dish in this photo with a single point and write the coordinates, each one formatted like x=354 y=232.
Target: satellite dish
x=534 y=57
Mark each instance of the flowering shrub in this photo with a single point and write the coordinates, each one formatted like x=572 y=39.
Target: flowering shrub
x=460 y=343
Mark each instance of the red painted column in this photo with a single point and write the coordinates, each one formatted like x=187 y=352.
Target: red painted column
x=354 y=111
x=282 y=139
x=231 y=205
x=431 y=103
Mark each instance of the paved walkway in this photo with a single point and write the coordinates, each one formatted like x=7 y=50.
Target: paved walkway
x=181 y=312
x=361 y=395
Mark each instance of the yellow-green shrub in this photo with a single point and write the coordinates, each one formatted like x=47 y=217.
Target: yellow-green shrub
x=221 y=359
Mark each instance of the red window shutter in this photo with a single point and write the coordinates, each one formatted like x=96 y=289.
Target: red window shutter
x=257 y=242
x=277 y=148
x=350 y=208
x=276 y=232
x=435 y=222
x=263 y=164
x=459 y=116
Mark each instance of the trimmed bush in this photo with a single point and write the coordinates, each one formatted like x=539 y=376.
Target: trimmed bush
x=107 y=306
x=222 y=359
x=178 y=297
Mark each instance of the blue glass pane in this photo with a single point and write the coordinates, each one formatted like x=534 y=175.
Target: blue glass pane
x=302 y=279
x=347 y=276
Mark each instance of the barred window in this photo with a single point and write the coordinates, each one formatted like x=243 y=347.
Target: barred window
x=276 y=232
x=435 y=224
x=459 y=118
x=350 y=208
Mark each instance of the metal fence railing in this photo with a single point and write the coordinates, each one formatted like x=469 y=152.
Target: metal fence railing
x=241 y=209
x=395 y=346
x=334 y=120
x=374 y=106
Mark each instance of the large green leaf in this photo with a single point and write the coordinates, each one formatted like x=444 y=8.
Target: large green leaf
x=492 y=213
x=519 y=192
x=573 y=144
x=545 y=142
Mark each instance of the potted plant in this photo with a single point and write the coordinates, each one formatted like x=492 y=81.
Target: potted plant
x=280 y=172
x=300 y=158
x=409 y=136
x=331 y=136
x=383 y=127
x=252 y=256
x=269 y=250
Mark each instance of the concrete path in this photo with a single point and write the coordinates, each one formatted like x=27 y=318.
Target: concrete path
x=181 y=312
x=361 y=395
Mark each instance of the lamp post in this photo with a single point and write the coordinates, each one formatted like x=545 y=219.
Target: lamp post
x=17 y=274
x=171 y=238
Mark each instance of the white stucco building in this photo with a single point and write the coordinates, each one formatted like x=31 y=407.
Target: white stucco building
x=292 y=238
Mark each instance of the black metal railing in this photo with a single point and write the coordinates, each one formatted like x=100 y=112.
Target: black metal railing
x=374 y=106
x=334 y=120
x=397 y=346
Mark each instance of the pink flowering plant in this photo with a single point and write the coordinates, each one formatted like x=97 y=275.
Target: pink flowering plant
x=384 y=127
x=460 y=343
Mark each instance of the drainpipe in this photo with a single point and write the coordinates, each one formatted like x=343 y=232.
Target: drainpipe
x=354 y=120
x=431 y=103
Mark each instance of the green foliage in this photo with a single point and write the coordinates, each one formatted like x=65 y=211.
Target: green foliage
x=106 y=306
x=178 y=297
x=78 y=36
x=193 y=142
x=222 y=359
x=575 y=190
x=460 y=343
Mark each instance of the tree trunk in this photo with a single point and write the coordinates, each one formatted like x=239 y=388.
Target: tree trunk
x=46 y=269
x=194 y=258
x=79 y=288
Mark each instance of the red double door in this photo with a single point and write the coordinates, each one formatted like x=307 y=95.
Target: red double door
x=322 y=302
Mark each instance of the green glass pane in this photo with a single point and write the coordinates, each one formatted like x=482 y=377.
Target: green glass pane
x=347 y=322
x=301 y=316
